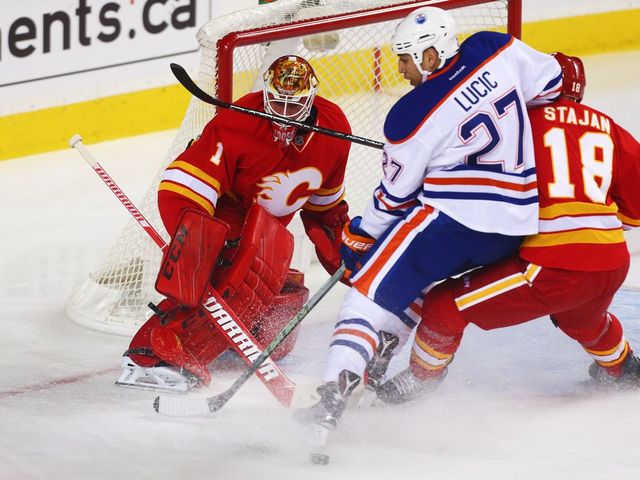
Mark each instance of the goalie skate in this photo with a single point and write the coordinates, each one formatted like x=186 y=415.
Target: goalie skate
x=158 y=379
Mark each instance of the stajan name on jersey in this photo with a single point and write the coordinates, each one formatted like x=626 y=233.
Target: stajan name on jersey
x=566 y=114
x=478 y=88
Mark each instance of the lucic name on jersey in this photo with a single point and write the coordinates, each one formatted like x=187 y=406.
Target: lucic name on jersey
x=461 y=142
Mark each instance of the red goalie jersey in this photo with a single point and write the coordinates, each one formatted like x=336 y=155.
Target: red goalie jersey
x=236 y=157
x=588 y=175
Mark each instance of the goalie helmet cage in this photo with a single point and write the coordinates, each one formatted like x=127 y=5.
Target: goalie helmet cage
x=347 y=42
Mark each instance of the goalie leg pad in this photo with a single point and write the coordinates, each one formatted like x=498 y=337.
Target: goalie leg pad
x=259 y=266
x=201 y=342
x=140 y=346
x=183 y=337
x=188 y=339
x=167 y=345
x=156 y=359
x=188 y=262
x=284 y=307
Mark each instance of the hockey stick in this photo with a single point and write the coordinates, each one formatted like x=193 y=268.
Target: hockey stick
x=219 y=313
x=184 y=406
x=188 y=83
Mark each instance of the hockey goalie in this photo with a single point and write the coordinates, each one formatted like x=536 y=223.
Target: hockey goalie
x=226 y=200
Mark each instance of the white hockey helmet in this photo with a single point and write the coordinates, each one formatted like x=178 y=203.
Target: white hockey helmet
x=290 y=86
x=422 y=29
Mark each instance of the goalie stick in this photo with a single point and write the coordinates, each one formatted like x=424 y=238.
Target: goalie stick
x=188 y=83
x=184 y=406
x=247 y=347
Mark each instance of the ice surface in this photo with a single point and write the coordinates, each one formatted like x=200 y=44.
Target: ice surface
x=516 y=403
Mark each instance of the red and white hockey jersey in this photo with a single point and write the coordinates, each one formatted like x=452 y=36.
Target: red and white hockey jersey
x=461 y=141
x=237 y=156
x=588 y=181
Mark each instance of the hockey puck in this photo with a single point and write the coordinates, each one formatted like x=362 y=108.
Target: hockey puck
x=319 y=458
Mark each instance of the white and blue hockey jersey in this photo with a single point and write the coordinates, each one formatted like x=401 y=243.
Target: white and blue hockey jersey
x=461 y=142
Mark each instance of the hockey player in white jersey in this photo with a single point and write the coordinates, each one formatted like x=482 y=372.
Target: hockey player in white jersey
x=459 y=189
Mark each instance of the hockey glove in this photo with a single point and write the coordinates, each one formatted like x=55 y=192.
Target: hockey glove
x=324 y=229
x=355 y=245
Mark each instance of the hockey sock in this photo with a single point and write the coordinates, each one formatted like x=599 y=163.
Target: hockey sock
x=611 y=348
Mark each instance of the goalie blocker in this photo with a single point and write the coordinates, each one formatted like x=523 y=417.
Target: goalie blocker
x=173 y=349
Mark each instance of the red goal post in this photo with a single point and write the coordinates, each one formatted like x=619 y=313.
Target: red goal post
x=347 y=42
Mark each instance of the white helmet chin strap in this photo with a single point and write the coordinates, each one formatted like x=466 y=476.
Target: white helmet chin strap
x=418 y=64
x=426 y=73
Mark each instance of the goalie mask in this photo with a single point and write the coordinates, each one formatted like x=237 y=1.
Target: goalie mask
x=290 y=86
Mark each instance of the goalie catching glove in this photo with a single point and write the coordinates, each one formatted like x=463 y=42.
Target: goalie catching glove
x=356 y=243
x=324 y=229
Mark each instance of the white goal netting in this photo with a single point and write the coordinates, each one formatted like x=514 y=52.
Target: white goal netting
x=347 y=42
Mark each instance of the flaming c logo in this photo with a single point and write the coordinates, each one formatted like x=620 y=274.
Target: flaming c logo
x=286 y=192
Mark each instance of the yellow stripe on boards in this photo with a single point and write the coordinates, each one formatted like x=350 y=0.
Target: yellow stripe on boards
x=586 y=34
x=98 y=120
x=156 y=109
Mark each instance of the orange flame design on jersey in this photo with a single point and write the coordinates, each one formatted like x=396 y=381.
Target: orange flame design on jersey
x=286 y=192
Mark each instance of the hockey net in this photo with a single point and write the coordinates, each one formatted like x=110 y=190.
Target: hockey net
x=347 y=42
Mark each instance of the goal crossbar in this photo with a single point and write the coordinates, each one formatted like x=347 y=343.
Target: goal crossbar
x=228 y=43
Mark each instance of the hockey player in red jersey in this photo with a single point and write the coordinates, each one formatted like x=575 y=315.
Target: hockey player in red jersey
x=588 y=175
x=238 y=185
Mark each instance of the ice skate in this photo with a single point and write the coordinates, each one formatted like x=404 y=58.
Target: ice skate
x=377 y=367
x=405 y=386
x=333 y=401
x=159 y=378
x=629 y=375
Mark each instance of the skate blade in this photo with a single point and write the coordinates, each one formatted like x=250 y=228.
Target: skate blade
x=181 y=406
x=150 y=387
x=318 y=454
